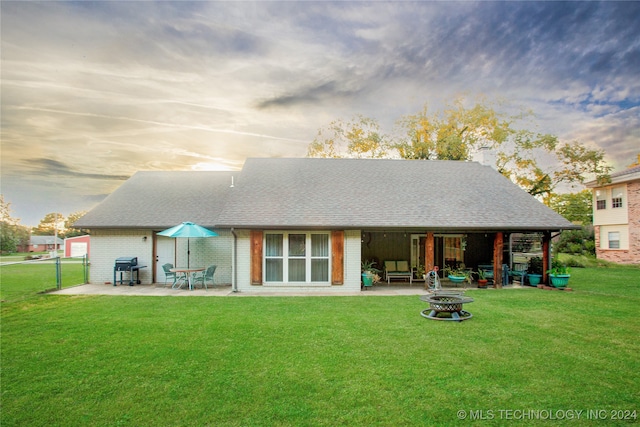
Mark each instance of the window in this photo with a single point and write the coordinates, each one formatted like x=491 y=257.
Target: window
x=614 y=240
x=601 y=199
x=453 y=251
x=306 y=259
x=273 y=258
x=616 y=197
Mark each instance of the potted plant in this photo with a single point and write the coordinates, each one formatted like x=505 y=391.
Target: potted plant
x=458 y=275
x=559 y=274
x=482 y=278
x=534 y=271
x=369 y=272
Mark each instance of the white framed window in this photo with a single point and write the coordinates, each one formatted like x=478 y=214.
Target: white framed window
x=614 y=239
x=296 y=257
x=601 y=199
x=617 y=195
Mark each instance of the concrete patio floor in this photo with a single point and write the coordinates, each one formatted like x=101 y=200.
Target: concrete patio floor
x=225 y=290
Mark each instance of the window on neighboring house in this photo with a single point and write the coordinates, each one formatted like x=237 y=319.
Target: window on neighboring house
x=617 y=195
x=601 y=199
x=614 y=240
x=296 y=257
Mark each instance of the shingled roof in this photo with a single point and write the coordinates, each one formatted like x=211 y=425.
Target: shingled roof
x=161 y=200
x=381 y=194
x=329 y=194
x=625 y=175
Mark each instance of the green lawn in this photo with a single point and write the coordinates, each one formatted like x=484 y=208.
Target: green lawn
x=19 y=281
x=308 y=361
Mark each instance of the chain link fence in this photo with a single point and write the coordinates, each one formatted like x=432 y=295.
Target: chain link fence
x=19 y=279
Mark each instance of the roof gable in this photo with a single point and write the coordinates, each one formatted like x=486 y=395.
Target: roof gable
x=381 y=193
x=44 y=240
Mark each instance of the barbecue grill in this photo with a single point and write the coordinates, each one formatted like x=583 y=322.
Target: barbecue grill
x=130 y=265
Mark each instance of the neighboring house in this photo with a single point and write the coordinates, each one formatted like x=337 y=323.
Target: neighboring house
x=42 y=244
x=77 y=246
x=616 y=217
x=306 y=224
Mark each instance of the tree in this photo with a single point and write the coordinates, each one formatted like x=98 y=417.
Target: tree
x=576 y=207
x=458 y=132
x=358 y=138
x=49 y=224
x=454 y=134
x=574 y=163
x=12 y=234
x=68 y=223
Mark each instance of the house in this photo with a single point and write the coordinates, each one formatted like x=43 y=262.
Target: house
x=77 y=246
x=303 y=224
x=616 y=217
x=42 y=244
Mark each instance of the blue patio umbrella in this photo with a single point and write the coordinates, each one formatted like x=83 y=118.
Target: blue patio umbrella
x=188 y=230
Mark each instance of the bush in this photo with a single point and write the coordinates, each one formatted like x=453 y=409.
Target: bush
x=579 y=242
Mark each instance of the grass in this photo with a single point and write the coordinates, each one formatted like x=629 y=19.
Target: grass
x=19 y=281
x=294 y=361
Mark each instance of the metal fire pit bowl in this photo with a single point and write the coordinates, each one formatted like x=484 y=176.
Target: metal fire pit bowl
x=446 y=307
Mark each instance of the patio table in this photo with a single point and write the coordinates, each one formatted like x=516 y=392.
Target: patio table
x=187 y=272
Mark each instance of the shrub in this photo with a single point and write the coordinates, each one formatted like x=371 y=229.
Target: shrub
x=579 y=242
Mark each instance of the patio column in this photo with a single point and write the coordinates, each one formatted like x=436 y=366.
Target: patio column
x=429 y=252
x=546 y=245
x=498 y=247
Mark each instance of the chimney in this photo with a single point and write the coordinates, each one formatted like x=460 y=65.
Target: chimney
x=487 y=157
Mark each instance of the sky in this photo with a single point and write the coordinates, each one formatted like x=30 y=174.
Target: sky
x=92 y=92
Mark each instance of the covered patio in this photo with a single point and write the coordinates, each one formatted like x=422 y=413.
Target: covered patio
x=503 y=250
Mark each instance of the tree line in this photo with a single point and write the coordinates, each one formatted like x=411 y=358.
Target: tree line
x=14 y=235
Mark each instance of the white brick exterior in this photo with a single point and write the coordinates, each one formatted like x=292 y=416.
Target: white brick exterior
x=352 y=249
x=107 y=245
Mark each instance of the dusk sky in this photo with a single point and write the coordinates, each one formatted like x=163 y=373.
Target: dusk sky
x=94 y=91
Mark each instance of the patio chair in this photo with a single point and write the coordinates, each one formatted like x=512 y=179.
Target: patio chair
x=206 y=275
x=169 y=274
x=518 y=273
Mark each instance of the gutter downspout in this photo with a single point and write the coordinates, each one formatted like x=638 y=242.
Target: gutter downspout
x=234 y=269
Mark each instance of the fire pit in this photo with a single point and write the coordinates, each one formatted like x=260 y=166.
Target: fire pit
x=446 y=307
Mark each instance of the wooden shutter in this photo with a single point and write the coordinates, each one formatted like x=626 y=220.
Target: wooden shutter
x=337 y=257
x=256 y=257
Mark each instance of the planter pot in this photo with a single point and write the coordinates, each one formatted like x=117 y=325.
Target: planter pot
x=482 y=283
x=559 y=280
x=367 y=279
x=534 y=279
x=457 y=279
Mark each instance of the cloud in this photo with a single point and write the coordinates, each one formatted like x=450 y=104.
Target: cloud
x=95 y=91
x=53 y=168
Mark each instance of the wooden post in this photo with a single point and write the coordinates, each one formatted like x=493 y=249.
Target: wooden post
x=546 y=245
x=429 y=255
x=498 y=247
x=429 y=252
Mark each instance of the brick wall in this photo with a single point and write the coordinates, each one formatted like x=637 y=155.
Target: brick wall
x=107 y=245
x=632 y=254
x=633 y=192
